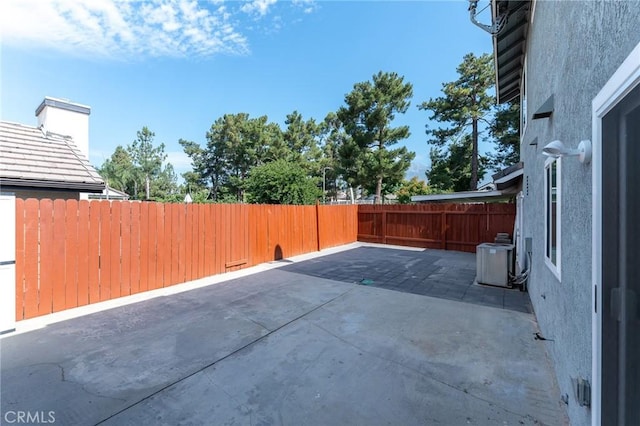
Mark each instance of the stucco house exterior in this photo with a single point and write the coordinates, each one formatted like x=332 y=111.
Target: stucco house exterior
x=575 y=68
x=49 y=160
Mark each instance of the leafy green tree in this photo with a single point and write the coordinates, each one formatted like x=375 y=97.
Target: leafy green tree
x=451 y=170
x=165 y=185
x=336 y=166
x=396 y=162
x=147 y=159
x=209 y=165
x=140 y=165
x=505 y=129
x=230 y=135
x=281 y=182
x=466 y=102
x=370 y=109
x=412 y=187
x=301 y=138
x=331 y=136
x=235 y=144
x=118 y=171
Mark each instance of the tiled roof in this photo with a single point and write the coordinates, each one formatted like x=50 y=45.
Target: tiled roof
x=31 y=158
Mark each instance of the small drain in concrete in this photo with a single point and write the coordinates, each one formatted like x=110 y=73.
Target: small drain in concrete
x=366 y=281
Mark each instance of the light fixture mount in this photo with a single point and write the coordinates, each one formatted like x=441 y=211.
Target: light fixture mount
x=557 y=149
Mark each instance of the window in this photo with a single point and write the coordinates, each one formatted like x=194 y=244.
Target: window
x=552 y=203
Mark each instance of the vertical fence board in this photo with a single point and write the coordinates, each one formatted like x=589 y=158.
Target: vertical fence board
x=198 y=242
x=71 y=254
x=258 y=224
x=167 y=245
x=83 y=253
x=144 y=247
x=209 y=247
x=134 y=248
x=245 y=235
x=236 y=234
x=181 y=243
x=225 y=241
x=105 y=250
x=251 y=229
x=57 y=253
x=93 y=281
x=125 y=248
x=282 y=231
x=290 y=230
x=188 y=242
x=32 y=295
x=160 y=245
x=20 y=253
x=312 y=229
x=266 y=252
x=175 y=246
x=300 y=229
x=241 y=229
x=215 y=238
x=294 y=235
x=152 y=278
x=195 y=243
x=201 y=240
x=115 y=255
x=220 y=239
x=233 y=235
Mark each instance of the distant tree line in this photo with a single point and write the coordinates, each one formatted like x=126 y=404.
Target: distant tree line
x=250 y=159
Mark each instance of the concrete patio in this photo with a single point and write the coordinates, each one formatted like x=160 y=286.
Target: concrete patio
x=286 y=346
x=435 y=273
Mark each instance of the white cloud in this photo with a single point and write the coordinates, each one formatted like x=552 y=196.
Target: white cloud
x=124 y=28
x=257 y=7
x=308 y=6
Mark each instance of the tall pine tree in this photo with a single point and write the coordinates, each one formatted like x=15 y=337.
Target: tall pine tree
x=367 y=116
x=465 y=103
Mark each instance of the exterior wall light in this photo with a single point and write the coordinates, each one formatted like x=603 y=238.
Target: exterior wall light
x=557 y=149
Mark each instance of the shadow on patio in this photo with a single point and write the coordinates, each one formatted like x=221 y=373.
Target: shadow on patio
x=436 y=273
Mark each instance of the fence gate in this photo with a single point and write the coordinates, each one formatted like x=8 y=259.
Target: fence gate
x=7 y=263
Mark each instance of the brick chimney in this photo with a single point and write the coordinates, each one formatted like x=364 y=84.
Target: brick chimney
x=66 y=118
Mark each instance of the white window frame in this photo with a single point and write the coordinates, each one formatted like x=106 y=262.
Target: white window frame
x=557 y=267
x=624 y=80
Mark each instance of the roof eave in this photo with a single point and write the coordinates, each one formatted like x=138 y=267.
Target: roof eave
x=40 y=185
x=466 y=196
x=515 y=31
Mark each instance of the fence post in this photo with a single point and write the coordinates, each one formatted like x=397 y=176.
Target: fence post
x=443 y=231
x=318 y=222
x=384 y=227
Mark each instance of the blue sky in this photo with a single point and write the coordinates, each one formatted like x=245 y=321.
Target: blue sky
x=177 y=65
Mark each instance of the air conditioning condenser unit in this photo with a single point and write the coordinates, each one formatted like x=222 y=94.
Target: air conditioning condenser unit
x=494 y=263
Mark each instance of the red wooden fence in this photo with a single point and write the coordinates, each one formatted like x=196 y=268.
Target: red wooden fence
x=441 y=226
x=72 y=253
